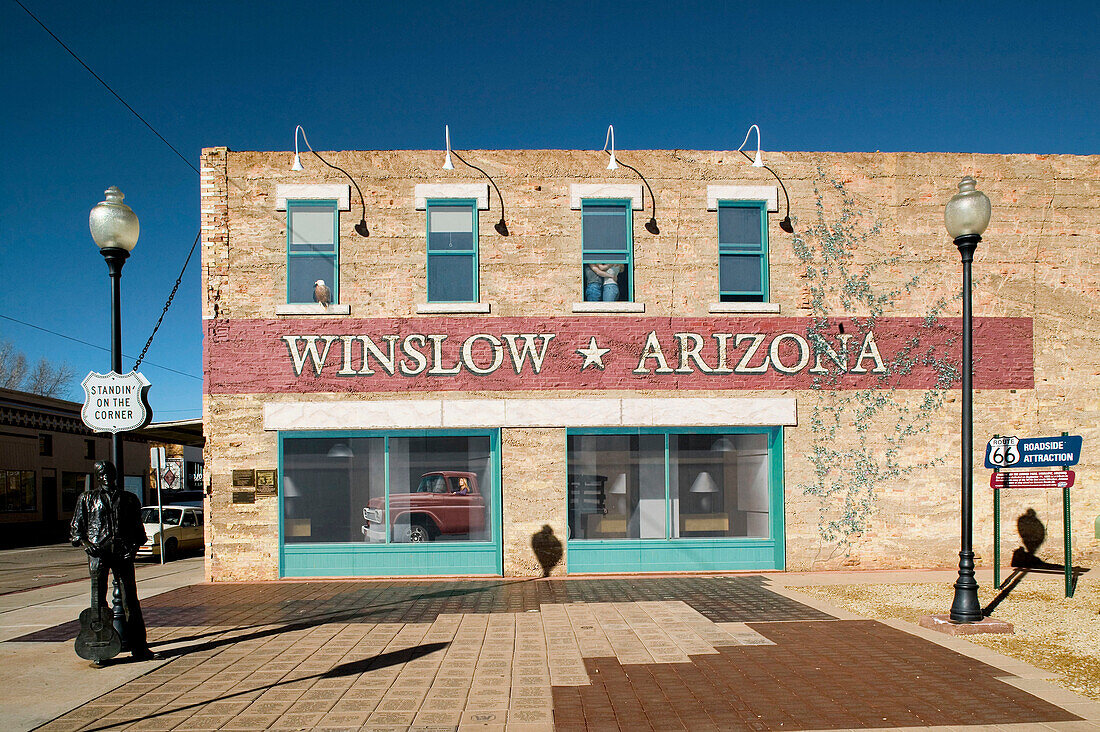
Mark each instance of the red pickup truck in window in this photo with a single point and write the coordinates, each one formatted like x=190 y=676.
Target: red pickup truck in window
x=446 y=505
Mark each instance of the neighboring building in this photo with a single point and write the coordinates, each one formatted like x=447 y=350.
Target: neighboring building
x=46 y=456
x=713 y=394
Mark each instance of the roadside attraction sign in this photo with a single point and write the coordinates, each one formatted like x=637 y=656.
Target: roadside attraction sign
x=1006 y=456
x=115 y=402
x=1033 y=452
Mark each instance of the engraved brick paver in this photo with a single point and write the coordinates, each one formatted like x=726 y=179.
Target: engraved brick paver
x=690 y=653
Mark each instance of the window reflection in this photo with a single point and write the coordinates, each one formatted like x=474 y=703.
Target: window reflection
x=439 y=489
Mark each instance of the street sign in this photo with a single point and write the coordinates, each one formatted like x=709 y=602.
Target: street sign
x=1033 y=479
x=1033 y=452
x=115 y=402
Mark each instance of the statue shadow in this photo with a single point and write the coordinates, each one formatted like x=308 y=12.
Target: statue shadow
x=1025 y=561
x=548 y=549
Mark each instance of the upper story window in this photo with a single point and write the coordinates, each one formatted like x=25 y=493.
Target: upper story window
x=607 y=250
x=743 y=251
x=45 y=445
x=313 y=238
x=452 y=250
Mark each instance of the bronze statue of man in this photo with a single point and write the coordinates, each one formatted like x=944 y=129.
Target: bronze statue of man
x=107 y=523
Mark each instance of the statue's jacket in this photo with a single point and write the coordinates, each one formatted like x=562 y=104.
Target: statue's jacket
x=107 y=525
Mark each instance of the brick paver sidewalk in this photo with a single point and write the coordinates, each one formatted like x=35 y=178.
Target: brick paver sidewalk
x=665 y=653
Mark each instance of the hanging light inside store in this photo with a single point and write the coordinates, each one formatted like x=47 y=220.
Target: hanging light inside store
x=723 y=444
x=340 y=450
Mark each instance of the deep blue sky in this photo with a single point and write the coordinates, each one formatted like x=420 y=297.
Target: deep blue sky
x=937 y=76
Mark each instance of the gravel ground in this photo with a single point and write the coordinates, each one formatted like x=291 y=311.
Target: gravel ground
x=1053 y=632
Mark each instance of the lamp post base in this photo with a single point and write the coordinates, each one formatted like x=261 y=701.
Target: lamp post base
x=966 y=608
x=944 y=624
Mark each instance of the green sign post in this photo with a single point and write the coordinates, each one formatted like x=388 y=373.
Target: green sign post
x=996 y=451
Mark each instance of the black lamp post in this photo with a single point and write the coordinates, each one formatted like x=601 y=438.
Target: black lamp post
x=966 y=216
x=115 y=231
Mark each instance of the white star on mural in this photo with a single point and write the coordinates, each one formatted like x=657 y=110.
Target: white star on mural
x=593 y=355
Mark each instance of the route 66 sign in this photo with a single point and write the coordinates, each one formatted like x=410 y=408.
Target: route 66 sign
x=1002 y=452
x=115 y=402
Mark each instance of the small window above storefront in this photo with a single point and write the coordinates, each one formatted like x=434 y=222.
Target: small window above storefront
x=313 y=248
x=743 y=257
x=452 y=270
x=607 y=246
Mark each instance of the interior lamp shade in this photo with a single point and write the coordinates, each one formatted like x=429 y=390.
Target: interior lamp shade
x=704 y=484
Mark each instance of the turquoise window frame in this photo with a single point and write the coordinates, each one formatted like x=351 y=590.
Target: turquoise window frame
x=333 y=205
x=627 y=206
x=742 y=250
x=475 y=263
x=396 y=559
x=704 y=554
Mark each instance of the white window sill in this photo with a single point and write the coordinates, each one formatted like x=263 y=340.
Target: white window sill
x=744 y=307
x=311 y=308
x=453 y=308
x=609 y=307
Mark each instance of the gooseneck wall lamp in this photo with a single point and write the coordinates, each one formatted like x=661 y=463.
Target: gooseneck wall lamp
x=361 y=227
x=613 y=164
x=966 y=217
x=501 y=227
x=758 y=162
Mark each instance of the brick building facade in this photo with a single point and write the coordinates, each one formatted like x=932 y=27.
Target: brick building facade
x=714 y=394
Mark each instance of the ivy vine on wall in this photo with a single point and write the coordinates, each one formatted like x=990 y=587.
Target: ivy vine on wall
x=859 y=436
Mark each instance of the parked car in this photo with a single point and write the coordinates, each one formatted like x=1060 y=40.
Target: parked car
x=182 y=531
x=445 y=502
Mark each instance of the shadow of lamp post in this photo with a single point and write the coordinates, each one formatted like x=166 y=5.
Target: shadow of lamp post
x=966 y=217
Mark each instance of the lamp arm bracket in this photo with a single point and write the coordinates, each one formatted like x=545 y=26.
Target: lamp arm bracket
x=652 y=198
x=776 y=176
x=500 y=197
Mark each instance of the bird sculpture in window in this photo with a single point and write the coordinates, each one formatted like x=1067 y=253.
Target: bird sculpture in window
x=321 y=294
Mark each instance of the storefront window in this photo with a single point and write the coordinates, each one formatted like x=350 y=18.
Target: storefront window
x=622 y=486
x=719 y=485
x=617 y=486
x=334 y=489
x=439 y=489
x=327 y=485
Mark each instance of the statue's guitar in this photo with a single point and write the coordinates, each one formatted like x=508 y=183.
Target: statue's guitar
x=97 y=640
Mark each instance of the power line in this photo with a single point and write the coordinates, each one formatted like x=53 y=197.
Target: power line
x=107 y=86
x=181 y=157
x=93 y=345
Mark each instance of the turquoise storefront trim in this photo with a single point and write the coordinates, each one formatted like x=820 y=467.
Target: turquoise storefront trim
x=397 y=559
x=594 y=556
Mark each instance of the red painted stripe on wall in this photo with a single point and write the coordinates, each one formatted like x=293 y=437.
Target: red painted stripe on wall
x=606 y=352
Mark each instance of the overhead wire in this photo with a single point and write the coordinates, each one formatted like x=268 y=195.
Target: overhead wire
x=93 y=345
x=172 y=147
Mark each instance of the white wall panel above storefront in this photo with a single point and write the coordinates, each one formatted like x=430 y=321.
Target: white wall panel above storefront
x=618 y=412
